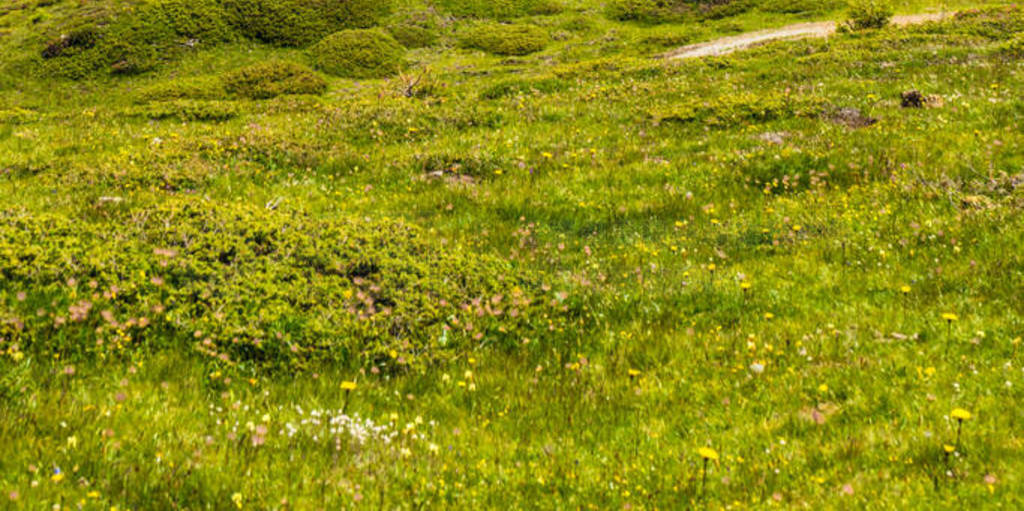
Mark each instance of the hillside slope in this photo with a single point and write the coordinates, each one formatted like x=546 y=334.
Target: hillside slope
x=344 y=254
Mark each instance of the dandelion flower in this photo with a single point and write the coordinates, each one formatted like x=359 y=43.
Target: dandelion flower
x=949 y=316
x=348 y=385
x=960 y=414
x=633 y=373
x=708 y=453
x=948 y=448
x=905 y=289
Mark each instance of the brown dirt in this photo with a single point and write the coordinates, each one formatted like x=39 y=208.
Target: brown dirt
x=730 y=44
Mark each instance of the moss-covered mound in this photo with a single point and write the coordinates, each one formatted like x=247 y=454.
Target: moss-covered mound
x=135 y=41
x=359 y=54
x=272 y=79
x=248 y=284
x=499 y=9
x=303 y=22
x=280 y=22
x=668 y=11
x=506 y=39
x=415 y=28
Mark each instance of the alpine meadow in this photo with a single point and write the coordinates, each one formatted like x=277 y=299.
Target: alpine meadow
x=511 y=254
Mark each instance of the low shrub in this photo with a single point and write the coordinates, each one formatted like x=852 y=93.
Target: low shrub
x=370 y=53
x=1013 y=48
x=727 y=110
x=136 y=41
x=343 y=14
x=270 y=79
x=868 y=14
x=416 y=28
x=279 y=22
x=506 y=39
x=499 y=9
x=303 y=22
x=248 y=285
x=198 y=22
x=800 y=6
x=188 y=110
x=999 y=23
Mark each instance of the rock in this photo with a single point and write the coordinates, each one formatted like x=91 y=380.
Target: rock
x=850 y=117
x=912 y=99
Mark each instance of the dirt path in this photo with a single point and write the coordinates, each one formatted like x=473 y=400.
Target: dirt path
x=730 y=44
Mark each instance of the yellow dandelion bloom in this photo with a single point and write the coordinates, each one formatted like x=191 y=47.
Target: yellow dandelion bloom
x=960 y=414
x=348 y=385
x=633 y=373
x=949 y=316
x=905 y=289
x=708 y=453
x=948 y=448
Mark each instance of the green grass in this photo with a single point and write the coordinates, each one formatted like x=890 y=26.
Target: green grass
x=614 y=261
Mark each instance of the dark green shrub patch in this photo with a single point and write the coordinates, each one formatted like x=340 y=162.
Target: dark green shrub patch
x=250 y=285
x=739 y=108
x=187 y=110
x=1013 y=48
x=271 y=79
x=136 y=41
x=280 y=22
x=506 y=39
x=498 y=9
x=416 y=28
x=303 y=22
x=368 y=53
x=868 y=14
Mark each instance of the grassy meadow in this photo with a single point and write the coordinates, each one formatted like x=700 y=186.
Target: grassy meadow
x=501 y=255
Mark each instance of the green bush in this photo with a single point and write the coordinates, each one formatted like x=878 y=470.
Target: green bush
x=1013 y=48
x=647 y=11
x=368 y=53
x=1000 y=23
x=415 y=29
x=136 y=41
x=270 y=79
x=197 y=22
x=506 y=39
x=279 y=22
x=303 y=22
x=498 y=9
x=245 y=284
x=800 y=6
x=673 y=11
x=868 y=14
x=342 y=14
